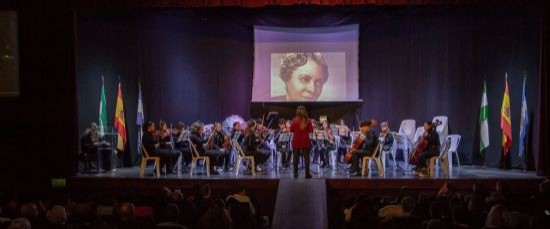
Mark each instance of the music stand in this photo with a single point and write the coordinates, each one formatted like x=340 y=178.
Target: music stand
x=284 y=140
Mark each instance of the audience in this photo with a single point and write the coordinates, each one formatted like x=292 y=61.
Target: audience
x=202 y=207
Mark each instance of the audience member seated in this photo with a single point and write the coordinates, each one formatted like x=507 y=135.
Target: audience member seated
x=404 y=209
x=217 y=217
x=170 y=218
x=126 y=213
x=500 y=217
x=241 y=209
x=57 y=217
x=20 y=223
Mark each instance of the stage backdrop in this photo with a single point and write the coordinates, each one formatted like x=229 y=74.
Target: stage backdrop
x=414 y=62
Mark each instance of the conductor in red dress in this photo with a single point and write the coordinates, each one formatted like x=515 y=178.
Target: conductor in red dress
x=301 y=128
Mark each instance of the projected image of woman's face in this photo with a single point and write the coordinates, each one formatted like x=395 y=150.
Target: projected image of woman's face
x=305 y=83
x=304 y=75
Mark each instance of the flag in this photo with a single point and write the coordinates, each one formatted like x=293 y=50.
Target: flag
x=483 y=123
x=102 y=110
x=140 y=117
x=506 y=120
x=120 y=124
x=524 y=122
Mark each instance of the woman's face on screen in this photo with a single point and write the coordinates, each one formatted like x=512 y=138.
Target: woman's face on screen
x=305 y=83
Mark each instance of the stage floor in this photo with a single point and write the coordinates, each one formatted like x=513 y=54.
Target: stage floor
x=458 y=173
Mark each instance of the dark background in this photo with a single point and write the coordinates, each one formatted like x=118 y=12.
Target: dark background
x=422 y=44
x=414 y=62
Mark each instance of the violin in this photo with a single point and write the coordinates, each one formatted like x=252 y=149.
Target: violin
x=422 y=144
x=357 y=143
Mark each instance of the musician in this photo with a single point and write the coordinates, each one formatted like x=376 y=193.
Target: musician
x=432 y=149
x=181 y=143
x=345 y=139
x=367 y=147
x=301 y=127
x=327 y=145
x=252 y=144
x=237 y=130
x=151 y=142
x=221 y=143
x=197 y=132
x=90 y=145
x=283 y=147
x=165 y=137
x=386 y=137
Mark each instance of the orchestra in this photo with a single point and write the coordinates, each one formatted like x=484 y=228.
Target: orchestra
x=323 y=139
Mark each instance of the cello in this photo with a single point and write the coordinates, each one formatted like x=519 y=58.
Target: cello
x=422 y=144
x=357 y=143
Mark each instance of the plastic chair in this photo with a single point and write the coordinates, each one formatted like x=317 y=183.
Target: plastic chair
x=145 y=157
x=196 y=157
x=453 y=149
x=443 y=129
x=376 y=158
x=241 y=157
x=407 y=128
x=392 y=151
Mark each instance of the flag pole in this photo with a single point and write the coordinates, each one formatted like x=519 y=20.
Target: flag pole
x=525 y=142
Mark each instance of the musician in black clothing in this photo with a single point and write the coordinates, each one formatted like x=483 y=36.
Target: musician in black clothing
x=224 y=153
x=252 y=144
x=367 y=147
x=432 y=149
x=283 y=147
x=150 y=141
x=90 y=143
x=197 y=132
x=180 y=136
x=237 y=133
x=386 y=137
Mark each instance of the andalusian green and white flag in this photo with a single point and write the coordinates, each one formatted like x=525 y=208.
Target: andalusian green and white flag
x=102 y=110
x=484 y=125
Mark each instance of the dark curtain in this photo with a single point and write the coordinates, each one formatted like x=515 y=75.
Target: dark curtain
x=415 y=62
x=543 y=163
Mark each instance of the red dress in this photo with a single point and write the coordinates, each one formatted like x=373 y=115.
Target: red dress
x=300 y=140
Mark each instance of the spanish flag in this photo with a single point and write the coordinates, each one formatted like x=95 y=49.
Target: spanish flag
x=506 y=121
x=120 y=124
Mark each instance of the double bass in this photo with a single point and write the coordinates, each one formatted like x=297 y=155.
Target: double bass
x=422 y=144
x=357 y=143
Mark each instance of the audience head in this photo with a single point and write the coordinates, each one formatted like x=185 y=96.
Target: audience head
x=502 y=187
x=170 y=213
x=57 y=215
x=241 y=189
x=29 y=211
x=126 y=210
x=499 y=217
x=20 y=223
x=476 y=205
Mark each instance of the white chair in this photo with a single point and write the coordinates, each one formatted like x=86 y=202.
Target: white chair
x=418 y=134
x=453 y=149
x=145 y=158
x=392 y=151
x=407 y=128
x=442 y=159
x=196 y=157
x=443 y=129
x=376 y=158
x=241 y=157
